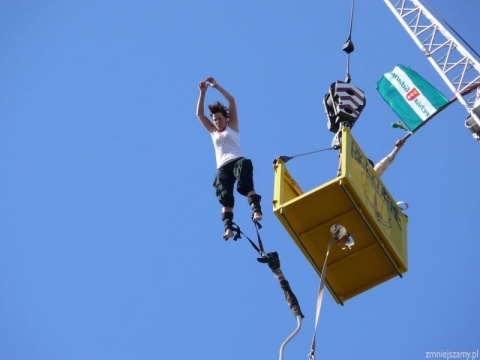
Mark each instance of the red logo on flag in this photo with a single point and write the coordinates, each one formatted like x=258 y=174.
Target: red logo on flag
x=412 y=94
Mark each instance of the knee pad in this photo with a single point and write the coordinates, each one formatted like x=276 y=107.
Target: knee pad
x=227 y=218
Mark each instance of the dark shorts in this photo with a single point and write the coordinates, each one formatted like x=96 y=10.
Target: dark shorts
x=240 y=171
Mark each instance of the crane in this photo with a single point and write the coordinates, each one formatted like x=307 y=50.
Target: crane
x=455 y=64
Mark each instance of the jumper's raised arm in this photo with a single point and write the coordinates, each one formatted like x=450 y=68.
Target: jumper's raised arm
x=201 y=107
x=232 y=107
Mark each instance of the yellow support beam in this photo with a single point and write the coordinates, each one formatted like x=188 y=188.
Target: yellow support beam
x=358 y=200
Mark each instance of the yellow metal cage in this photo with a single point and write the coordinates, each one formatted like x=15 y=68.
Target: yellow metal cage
x=358 y=200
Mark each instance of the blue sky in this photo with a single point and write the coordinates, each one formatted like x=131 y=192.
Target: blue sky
x=110 y=233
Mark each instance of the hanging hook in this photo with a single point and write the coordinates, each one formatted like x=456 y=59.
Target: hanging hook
x=348 y=46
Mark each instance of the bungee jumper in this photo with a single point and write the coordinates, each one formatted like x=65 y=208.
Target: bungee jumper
x=232 y=165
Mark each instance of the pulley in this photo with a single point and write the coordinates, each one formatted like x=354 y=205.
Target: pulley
x=343 y=104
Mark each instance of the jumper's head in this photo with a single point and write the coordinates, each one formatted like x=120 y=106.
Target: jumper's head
x=219 y=114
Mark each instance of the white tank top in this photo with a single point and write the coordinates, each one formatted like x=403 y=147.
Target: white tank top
x=227 y=146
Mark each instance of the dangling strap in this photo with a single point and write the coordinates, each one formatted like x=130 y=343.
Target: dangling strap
x=311 y=355
x=258 y=248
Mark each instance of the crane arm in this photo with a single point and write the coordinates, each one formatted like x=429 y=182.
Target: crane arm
x=458 y=68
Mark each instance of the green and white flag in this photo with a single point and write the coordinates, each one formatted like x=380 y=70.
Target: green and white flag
x=410 y=96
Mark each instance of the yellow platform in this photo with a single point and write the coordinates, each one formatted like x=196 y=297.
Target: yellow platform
x=358 y=200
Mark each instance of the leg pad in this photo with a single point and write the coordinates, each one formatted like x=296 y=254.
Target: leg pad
x=227 y=218
x=254 y=202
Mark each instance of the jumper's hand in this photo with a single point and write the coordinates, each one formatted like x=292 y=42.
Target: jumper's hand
x=202 y=85
x=212 y=81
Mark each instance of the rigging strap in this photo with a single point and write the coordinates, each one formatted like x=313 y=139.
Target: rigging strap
x=311 y=355
x=273 y=261
x=239 y=232
x=288 y=158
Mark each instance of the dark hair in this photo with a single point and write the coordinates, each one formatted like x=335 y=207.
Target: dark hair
x=218 y=107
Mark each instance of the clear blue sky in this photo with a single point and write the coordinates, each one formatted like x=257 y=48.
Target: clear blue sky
x=110 y=233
